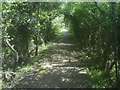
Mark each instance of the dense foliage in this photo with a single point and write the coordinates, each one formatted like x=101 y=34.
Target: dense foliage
x=96 y=28
x=26 y=26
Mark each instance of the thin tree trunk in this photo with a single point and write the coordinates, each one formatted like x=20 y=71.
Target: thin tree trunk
x=17 y=56
x=36 y=49
x=115 y=44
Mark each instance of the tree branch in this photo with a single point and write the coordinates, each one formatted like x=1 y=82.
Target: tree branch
x=101 y=11
x=10 y=46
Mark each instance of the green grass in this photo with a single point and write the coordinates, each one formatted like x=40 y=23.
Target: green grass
x=0 y=84
x=101 y=79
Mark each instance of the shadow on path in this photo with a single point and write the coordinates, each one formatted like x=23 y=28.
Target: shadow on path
x=62 y=68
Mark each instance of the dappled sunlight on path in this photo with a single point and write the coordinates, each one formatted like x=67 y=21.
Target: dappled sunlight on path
x=61 y=68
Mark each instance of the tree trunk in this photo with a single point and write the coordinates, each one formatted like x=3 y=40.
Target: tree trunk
x=115 y=41
x=36 y=43
x=17 y=56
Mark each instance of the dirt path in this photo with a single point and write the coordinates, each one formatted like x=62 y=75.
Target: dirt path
x=62 y=68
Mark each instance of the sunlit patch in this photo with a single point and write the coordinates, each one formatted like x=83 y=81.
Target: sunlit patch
x=47 y=66
x=66 y=44
x=57 y=65
x=65 y=61
x=64 y=30
x=64 y=71
x=82 y=72
x=65 y=79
